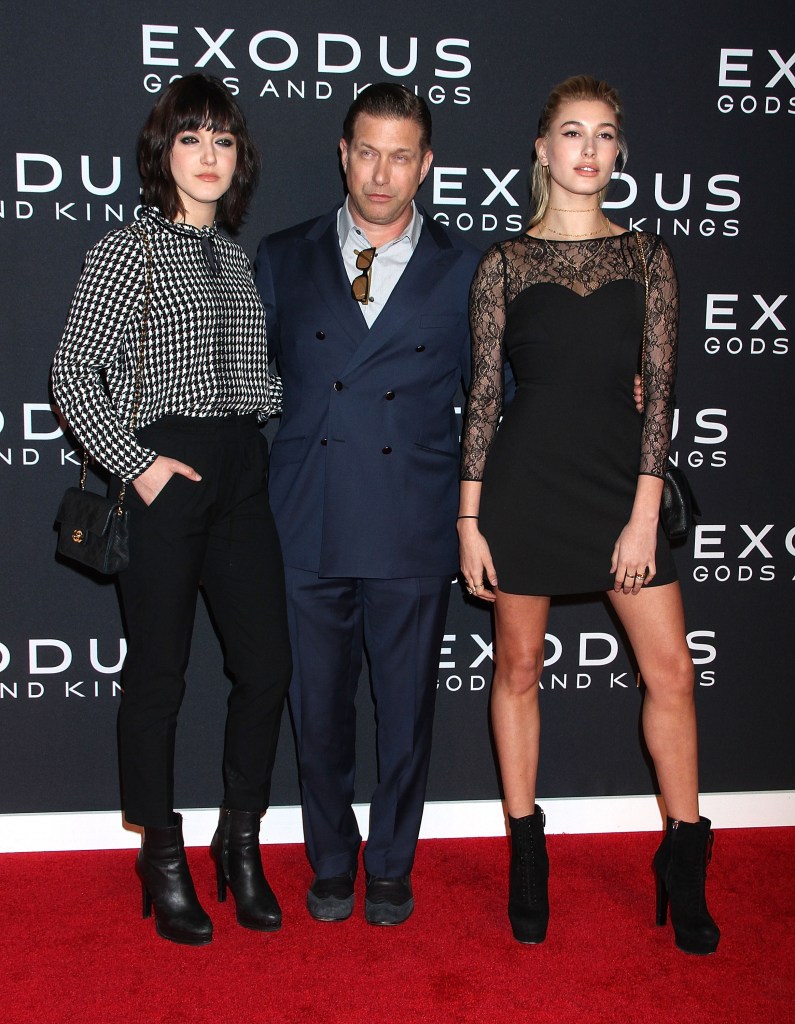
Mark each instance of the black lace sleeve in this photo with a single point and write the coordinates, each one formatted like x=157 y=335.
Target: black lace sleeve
x=659 y=370
x=487 y=323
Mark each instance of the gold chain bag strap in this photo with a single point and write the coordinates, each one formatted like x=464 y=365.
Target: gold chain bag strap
x=678 y=506
x=94 y=530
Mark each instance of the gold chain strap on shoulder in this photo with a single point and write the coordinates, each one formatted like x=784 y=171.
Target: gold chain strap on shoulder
x=642 y=254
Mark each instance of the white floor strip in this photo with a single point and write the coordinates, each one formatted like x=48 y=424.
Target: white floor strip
x=103 y=830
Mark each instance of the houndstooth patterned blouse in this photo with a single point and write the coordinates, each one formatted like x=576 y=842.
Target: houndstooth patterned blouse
x=206 y=352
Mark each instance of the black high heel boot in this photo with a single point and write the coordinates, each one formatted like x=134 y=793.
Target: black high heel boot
x=165 y=881
x=238 y=863
x=528 y=900
x=680 y=866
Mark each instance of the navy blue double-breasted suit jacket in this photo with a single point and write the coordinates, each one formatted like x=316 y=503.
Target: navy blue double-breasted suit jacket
x=364 y=466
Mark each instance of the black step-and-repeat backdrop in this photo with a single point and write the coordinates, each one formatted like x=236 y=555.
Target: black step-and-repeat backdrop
x=710 y=98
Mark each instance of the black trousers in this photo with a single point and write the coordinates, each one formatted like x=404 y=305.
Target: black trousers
x=217 y=533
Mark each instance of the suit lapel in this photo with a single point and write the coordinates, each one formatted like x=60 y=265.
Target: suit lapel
x=430 y=263
x=326 y=273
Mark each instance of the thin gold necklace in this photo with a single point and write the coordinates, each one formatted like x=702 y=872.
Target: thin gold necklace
x=561 y=209
x=577 y=270
x=564 y=234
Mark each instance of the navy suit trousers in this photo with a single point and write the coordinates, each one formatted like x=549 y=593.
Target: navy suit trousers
x=400 y=623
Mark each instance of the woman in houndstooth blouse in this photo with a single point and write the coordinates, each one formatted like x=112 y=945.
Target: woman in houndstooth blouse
x=198 y=504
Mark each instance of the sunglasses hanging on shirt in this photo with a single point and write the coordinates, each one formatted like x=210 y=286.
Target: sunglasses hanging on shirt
x=360 y=286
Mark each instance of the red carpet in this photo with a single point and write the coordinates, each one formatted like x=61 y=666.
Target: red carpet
x=73 y=946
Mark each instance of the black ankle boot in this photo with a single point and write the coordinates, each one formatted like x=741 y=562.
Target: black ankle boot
x=680 y=866
x=238 y=863
x=528 y=902
x=166 y=881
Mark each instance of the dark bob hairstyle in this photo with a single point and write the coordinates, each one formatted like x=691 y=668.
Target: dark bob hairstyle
x=188 y=104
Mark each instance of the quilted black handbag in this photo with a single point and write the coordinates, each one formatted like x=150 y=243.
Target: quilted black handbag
x=678 y=508
x=93 y=531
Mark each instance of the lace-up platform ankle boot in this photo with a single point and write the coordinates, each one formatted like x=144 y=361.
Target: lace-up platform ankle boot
x=680 y=867
x=528 y=900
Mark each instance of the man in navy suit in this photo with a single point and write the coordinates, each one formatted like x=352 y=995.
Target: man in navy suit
x=367 y=315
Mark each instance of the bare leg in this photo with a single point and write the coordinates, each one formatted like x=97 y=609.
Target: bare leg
x=654 y=622
x=519 y=624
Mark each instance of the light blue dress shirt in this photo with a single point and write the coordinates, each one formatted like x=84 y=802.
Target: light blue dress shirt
x=389 y=263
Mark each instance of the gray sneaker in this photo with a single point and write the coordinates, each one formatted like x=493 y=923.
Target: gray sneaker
x=331 y=899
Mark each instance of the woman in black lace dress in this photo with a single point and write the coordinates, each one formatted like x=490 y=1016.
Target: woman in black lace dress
x=565 y=497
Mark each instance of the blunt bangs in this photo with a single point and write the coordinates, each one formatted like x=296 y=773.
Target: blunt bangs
x=190 y=104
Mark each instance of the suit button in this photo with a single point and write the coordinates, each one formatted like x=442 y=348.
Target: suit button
x=338 y=385
x=420 y=348
x=320 y=335
x=389 y=396
x=324 y=441
x=386 y=450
